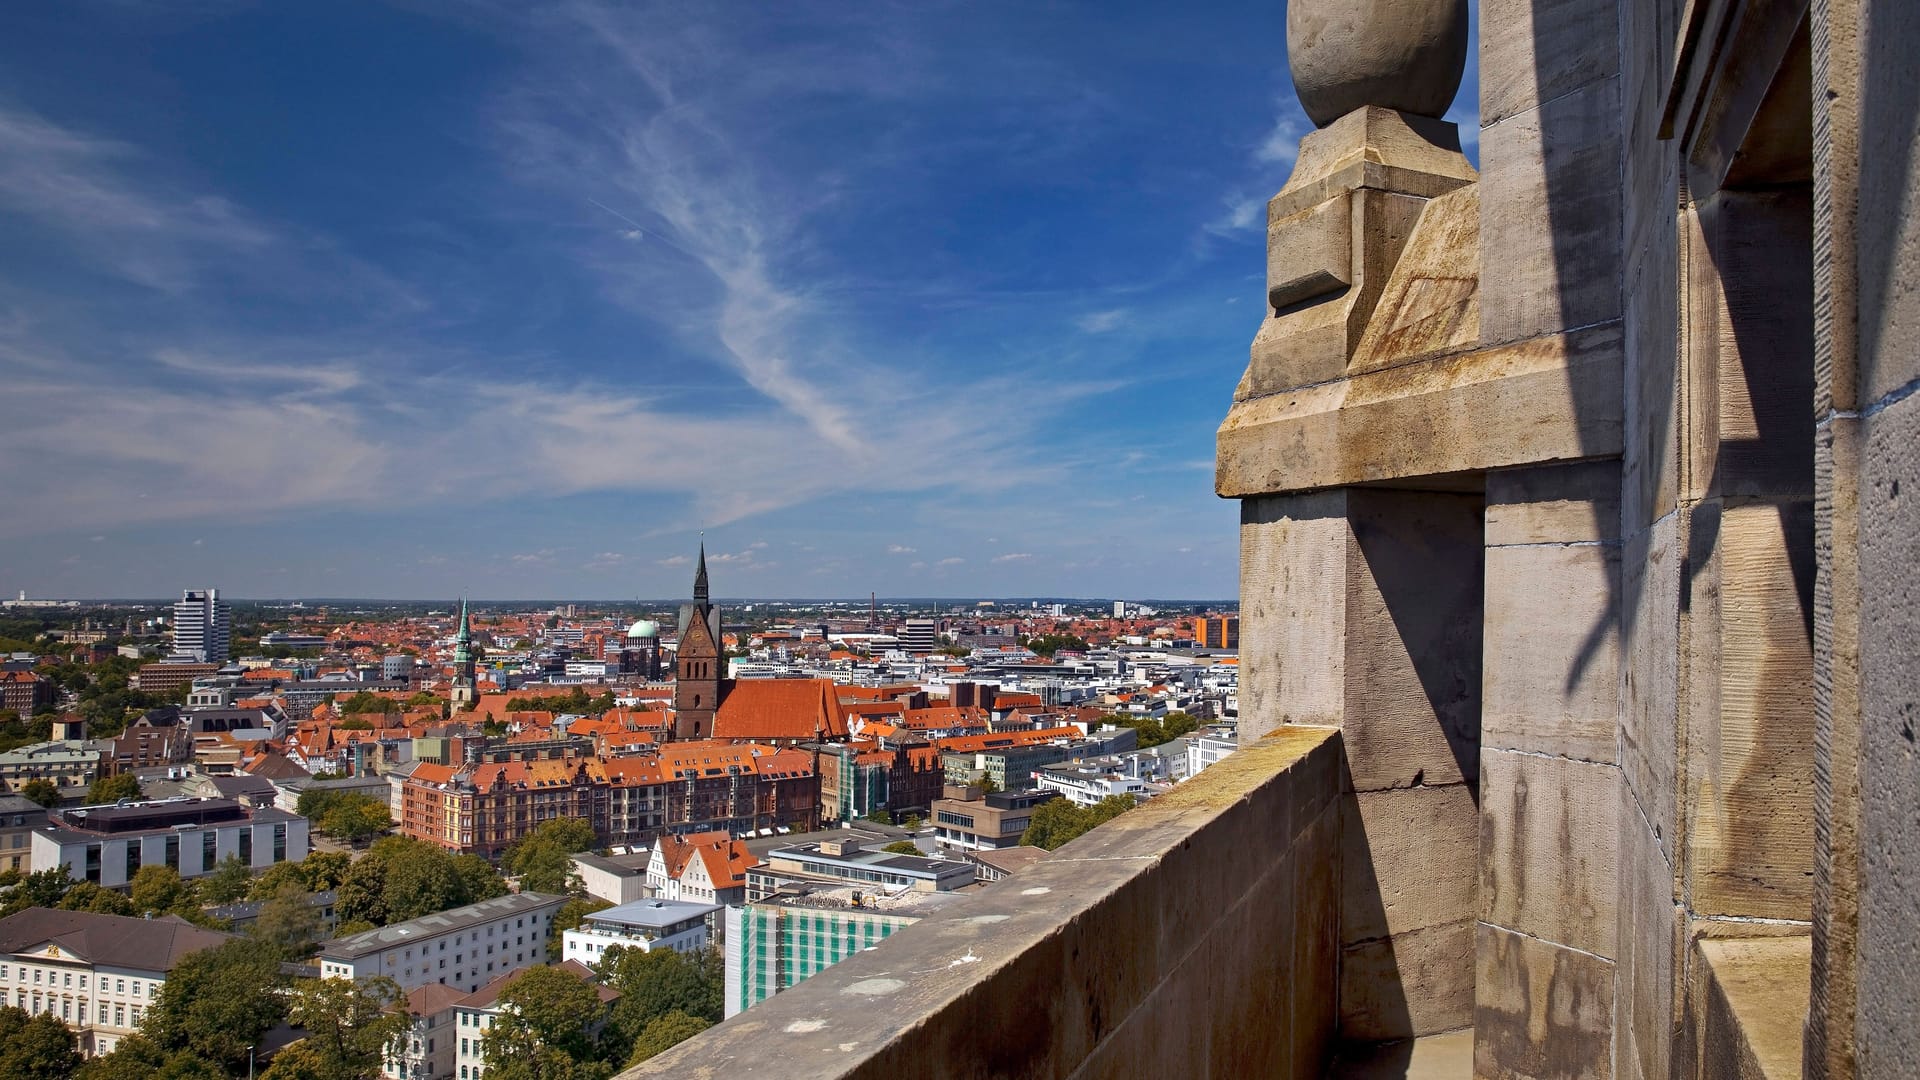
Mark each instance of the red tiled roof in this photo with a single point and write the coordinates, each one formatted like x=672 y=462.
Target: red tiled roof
x=780 y=709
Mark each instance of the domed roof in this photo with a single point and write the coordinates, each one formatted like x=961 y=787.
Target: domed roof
x=645 y=628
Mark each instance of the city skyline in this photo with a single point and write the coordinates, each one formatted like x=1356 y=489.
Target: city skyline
x=358 y=300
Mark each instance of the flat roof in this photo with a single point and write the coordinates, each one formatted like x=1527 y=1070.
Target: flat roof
x=427 y=927
x=628 y=865
x=653 y=914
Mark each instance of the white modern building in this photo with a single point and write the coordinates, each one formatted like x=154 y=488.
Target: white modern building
x=97 y=973
x=107 y=845
x=919 y=636
x=465 y=948
x=1207 y=748
x=202 y=628
x=643 y=924
x=1083 y=786
x=617 y=879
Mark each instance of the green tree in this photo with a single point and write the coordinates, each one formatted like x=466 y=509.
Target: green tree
x=654 y=983
x=545 y=1007
x=481 y=880
x=665 y=1032
x=349 y=1023
x=86 y=896
x=36 y=1047
x=356 y=819
x=287 y=921
x=1057 y=821
x=402 y=878
x=157 y=889
x=139 y=1058
x=903 y=847
x=229 y=883
x=569 y=917
x=988 y=785
x=542 y=859
x=881 y=817
x=217 y=1002
x=42 y=888
x=912 y=821
x=41 y=791
x=109 y=789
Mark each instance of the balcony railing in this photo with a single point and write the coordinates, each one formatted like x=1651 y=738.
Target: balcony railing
x=1194 y=936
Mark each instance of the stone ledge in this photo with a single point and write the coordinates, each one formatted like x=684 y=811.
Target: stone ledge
x=1554 y=398
x=1196 y=929
x=1756 y=996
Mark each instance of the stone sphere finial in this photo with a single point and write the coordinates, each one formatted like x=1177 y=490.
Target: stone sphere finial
x=1397 y=54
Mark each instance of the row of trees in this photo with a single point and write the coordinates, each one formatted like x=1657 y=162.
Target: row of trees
x=155 y=890
x=1154 y=732
x=1059 y=820
x=575 y=700
x=352 y=816
x=107 y=789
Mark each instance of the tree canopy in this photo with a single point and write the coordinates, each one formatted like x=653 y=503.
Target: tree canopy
x=1058 y=820
x=664 y=1032
x=542 y=858
x=110 y=789
x=349 y=1024
x=36 y=1046
x=403 y=878
x=1154 y=732
x=42 y=791
x=216 y=1003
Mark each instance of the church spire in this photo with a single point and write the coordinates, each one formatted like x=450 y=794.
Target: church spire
x=700 y=595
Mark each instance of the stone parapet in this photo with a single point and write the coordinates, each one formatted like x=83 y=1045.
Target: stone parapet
x=1194 y=936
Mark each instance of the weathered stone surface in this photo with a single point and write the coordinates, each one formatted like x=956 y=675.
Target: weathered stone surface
x=1430 y=305
x=1549 y=235
x=1647 y=1002
x=1749 y=755
x=1400 y=853
x=1548 y=830
x=1536 y=51
x=1446 y=415
x=1552 y=660
x=1413 y=638
x=1837 y=807
x=1540 y=1009
x=1653 y=422
x=1400 y=54
x=1750 y=988
x=1890 y=731
x=1554 y=504
x=1417 y=983
x=1310 y=254
x=1313 y=339
x=1293 y=560
x=1651 y=568
x=1377 y=149
x=1757 y=341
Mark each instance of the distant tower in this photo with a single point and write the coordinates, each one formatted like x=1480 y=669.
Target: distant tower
x=697 y=683
x=465 y=690
x=201 y=627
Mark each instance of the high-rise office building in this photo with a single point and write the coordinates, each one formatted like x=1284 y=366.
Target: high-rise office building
x=1119 y=609
x=202 y=627
x=919 y=636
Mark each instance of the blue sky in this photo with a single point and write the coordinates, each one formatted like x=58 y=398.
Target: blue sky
x=512 y=300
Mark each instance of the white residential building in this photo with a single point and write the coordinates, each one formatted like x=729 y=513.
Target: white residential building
x=97 y=973
x=464 y=948
x=427 y=1050
x=643 y=924
x=108 y=844
x=475 y=1013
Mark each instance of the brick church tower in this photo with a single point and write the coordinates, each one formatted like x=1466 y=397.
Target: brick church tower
x=697 y=683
